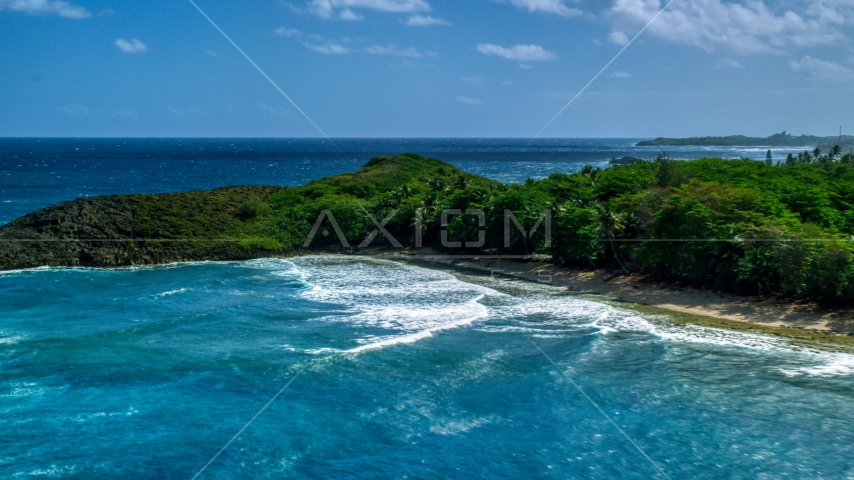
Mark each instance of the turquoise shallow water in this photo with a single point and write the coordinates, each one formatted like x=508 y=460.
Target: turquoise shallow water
x=405 y=373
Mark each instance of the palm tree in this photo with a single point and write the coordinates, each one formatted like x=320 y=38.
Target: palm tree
x=436 y=184
x=609 y=225
x=835 y=151
x=462 y=182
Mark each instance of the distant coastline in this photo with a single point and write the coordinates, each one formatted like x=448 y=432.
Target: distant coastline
x=777 y=140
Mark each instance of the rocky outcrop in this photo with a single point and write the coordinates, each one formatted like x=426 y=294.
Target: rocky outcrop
x=624 y=161
x=124 y=230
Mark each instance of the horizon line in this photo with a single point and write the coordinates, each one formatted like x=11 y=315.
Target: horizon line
x=366 y=137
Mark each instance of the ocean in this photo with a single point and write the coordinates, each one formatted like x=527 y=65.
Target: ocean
x=392 y=370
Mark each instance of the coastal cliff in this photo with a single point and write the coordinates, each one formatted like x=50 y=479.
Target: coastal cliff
x=124 y=230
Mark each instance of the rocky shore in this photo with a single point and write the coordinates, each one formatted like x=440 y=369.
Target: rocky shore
x=124 y=230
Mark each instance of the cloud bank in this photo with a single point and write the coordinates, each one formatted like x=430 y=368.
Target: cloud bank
x=816 y=69
x=744 y=28
x=428 y=21
x=46 y=7
x=344 y=9
x=396 y=51
x=557 y=7
x=519 y=53
x=132 y=46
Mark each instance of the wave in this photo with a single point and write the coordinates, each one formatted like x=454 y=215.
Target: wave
x=481 y=312
x=171 y=292
x=27 y=270
x=263 y=264
x=542 y=313
x=10 y=340
x=832 y=365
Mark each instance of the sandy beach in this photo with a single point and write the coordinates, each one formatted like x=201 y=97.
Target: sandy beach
x=771 y=316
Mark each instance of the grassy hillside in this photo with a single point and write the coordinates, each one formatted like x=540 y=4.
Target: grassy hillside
x=733 y=225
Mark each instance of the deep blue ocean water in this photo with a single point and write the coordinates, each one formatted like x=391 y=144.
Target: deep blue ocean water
x=403 y=372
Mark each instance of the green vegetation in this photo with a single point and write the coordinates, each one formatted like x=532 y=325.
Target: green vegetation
x=738 y=226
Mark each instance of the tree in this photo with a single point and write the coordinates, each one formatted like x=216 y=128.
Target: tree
x=668 y=172
x=609 y=224
x=834 y=153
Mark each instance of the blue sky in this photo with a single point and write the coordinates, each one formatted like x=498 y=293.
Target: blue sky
x=415 y=68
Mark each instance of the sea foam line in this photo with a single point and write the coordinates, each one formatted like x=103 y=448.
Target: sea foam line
x=171 y=292
x=414 y=337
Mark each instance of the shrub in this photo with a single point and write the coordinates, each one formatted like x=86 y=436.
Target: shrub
x=252 y=208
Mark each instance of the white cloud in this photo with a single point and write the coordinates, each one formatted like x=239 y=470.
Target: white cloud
x=475 y=80
x=327 y=8
x=468 y=100
x=326 y=46
x=727 y=63
x=816 y=69
x=328 y=49
x=287 y=32
x=525 y=66
x=547 y=6
x=132 y=46
x=620 y=74
x=46 y=7
x=425 y=21
x=350 y=15
x=520 y=53
x=743 y=28
x=618 y=38
x=393 y=49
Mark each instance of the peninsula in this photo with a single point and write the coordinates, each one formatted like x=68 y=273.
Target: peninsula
x=735 y=227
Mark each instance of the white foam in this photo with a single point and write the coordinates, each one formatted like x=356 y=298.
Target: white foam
x=456 y=427
x=26 y=270
x=51 y=471
x=323 y=351
x=10 y=340
x=7 y=338
x=832 y=365
x=25 y=389
x=86 y=417
x=480 y=312
x=171 y=292
x=557 y=315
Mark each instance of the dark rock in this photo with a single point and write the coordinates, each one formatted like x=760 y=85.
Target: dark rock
x=625 y=161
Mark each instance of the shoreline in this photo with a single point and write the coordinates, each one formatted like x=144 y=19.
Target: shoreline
x=687 y=305
x=802 y=322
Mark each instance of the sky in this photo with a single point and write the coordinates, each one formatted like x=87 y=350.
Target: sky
x=425 y=68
